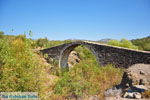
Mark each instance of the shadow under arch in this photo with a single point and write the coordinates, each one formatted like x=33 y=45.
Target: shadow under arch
x=63 y=62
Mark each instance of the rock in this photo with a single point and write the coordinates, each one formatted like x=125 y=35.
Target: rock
x=137 y=74
x=135 y=80
x=94 y=98
x=129 y=90
x=128 y=95
x=73 y=59
x=112 y=92
x=141 y=72
x=139 y=88
x=74 y=98
x=137 y=95
x=79 y=98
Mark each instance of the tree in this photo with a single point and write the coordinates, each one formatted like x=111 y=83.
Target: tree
x=42 y=42
x=143 y=43
x=123 y=43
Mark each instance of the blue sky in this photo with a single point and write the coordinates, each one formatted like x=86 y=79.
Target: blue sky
x=76 y=19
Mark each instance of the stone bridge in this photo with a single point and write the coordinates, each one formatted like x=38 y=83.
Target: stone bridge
x=105 y=54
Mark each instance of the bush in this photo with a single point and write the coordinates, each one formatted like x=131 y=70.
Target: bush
x=143 y=43
x=20 y=68
x=123 y=43
x=42 y=42
x=87 y=79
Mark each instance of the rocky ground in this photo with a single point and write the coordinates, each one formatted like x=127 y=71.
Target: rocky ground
x=135 y=81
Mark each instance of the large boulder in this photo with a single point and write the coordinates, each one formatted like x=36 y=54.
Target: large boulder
x=73 y=58
x=135 y=80
x=137 y=76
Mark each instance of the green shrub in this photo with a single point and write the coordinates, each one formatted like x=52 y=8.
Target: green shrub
x=43 y=42
x=143 y=43
x=16 y=65
x=87 y=79
x=20 y=68
x=123 y=43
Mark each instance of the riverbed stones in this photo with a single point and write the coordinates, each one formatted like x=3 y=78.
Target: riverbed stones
x=112 y=92
x=135 y=95
x=135 y=80
x=138 y=74
x=93 y=98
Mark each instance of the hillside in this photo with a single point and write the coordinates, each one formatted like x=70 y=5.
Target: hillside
x=143 y=43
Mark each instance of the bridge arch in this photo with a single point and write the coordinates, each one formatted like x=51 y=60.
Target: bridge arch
x=63 y=60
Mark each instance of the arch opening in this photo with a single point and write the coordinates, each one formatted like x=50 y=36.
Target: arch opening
x=63 y=62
